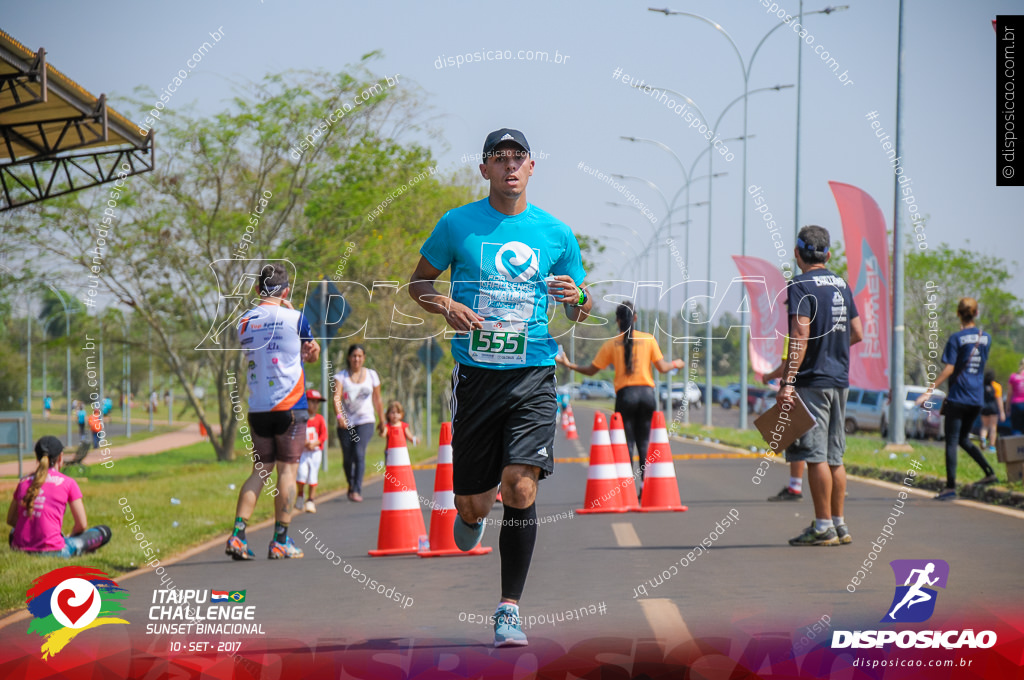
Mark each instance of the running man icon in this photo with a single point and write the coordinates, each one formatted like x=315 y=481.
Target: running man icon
x=916 y=577
x=915 y=595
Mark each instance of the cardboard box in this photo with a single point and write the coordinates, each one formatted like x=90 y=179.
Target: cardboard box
x=1010 y=449
x=1015 y=472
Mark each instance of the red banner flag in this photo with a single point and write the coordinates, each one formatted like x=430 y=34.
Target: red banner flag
x=867 y=265
x=767 y=312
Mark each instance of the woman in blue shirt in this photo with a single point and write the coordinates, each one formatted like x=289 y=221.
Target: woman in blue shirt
x=964 y=357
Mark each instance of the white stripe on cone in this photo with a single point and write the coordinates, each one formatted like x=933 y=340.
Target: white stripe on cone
x=444 y=454
x=659 y=436
x=609 y=471
x=398 y=456
x=600 y=438
x=618 y=436
x=660 y=470
x=444 y=500
x=401 y=500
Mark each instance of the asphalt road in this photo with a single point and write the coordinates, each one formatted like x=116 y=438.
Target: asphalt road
x=750 y=582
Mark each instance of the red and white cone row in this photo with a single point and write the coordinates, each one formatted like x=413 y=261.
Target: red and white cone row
x=604 y=491
x=443 y=515
x=624 y=467
x=570 y=432
x=401 y=522
x=661 y=490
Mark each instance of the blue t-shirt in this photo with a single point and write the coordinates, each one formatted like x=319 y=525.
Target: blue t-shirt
x=499 y=263
x=826 y=300
x=967 y=354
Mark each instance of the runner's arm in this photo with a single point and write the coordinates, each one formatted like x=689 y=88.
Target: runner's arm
x=799 y=334
x=421 y=289
x=666 y=366
x=947 y=370
x=856 y=330
x=378 y=405
x=339 y=410
x=563 y=289
x=78 y=514
x=585 y=370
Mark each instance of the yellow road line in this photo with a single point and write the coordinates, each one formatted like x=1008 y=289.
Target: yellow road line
x=677 y=456
x=625 y=535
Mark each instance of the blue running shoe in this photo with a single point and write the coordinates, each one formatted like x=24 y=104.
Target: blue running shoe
x=239 y=549
x=284 y=551
x=507 y=632
x=467 y=537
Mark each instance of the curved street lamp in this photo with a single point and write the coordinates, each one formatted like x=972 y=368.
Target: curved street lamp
x=746 y=68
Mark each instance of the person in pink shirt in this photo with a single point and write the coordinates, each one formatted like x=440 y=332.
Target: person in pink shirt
x=37 y=513
x=1015 y=398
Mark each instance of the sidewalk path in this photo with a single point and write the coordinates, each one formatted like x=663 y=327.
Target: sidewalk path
x=187 y=435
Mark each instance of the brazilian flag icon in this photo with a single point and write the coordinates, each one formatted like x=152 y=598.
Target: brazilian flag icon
x=237 y=596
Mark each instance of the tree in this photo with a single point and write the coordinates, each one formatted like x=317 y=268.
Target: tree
x=935 y=280
x=228 y=196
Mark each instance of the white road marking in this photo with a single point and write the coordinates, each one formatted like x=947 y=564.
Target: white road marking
x=667 y=623
x=625 y=535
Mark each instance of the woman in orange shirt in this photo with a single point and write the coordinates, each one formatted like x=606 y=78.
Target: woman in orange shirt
x=632 y=353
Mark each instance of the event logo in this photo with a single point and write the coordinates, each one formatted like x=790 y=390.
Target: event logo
x=70 y=600
x=914 y=601
x=522 y=255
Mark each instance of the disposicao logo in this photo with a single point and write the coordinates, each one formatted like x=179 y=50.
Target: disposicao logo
x=70 y=600
x=913 y=602
x=916 y=576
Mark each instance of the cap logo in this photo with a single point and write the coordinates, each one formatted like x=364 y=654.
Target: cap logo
x=507 y=136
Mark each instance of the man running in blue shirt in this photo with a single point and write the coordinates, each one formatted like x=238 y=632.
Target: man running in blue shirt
x=506 y=258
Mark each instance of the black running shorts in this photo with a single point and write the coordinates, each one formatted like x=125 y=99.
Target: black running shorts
x=278 y=436
x=501 y=418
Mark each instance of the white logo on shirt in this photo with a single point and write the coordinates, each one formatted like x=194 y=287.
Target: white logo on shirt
x=543 y=451
x=522 y=254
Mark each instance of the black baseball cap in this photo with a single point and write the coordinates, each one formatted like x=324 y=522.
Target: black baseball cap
x=504 y=135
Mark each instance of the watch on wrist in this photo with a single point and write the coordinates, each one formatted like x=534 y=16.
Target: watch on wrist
x=583 y=299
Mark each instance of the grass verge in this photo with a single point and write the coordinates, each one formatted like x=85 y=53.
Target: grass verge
x=147 y=484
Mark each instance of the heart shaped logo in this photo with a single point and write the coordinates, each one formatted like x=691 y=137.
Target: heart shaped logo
x=75 y=603
x=74 y=613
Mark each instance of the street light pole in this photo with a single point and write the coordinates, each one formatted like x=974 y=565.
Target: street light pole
x=149 y=395
x=746 y=68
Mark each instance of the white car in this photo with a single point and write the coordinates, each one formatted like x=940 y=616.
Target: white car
x=692 y=394
x=911 y=393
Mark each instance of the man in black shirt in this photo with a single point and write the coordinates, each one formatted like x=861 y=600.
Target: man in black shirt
x=823 y=323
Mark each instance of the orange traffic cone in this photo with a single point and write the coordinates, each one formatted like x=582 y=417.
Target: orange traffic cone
x=570 y=432
x=661 y=490
x=604 y=494
x=565 y=419
x=623 y=465
x=401 y=523
x=442 y=518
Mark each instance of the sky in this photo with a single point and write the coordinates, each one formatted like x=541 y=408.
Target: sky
x=576 y=112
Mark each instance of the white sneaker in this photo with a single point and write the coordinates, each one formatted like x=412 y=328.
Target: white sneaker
x=310 y=506
x=298 y=505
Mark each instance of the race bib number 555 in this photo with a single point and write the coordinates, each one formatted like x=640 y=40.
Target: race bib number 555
x=498 y=342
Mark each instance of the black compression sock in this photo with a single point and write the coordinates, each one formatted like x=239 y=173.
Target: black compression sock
x=239 y=528
x=515 y=545
x=280 y=532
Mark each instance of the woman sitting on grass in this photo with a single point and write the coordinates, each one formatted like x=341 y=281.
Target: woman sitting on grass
x=37 y=513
